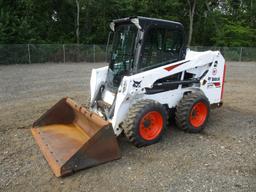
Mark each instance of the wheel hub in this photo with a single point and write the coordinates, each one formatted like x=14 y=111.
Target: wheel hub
x=198 y=114
x=151 y=125
x=147 y=123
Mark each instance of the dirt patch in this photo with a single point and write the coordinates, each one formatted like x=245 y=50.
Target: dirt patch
x=222 y=158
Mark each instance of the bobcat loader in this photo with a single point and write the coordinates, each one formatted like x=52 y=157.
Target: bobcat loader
x=150 y=73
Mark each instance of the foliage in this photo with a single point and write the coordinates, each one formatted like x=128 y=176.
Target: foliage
x=216 y=22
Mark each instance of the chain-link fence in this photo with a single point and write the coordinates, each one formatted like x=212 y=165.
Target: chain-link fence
x=64 y=53
x=232 y=53
x=56 y=53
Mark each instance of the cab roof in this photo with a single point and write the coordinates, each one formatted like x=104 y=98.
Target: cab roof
x=147 y=21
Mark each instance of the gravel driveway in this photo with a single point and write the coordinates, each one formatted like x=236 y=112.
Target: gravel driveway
x=222 y=158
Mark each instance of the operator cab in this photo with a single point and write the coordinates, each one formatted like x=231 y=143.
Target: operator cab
x=139 y=44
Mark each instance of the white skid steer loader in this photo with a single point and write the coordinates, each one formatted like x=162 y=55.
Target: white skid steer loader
x=150 y=72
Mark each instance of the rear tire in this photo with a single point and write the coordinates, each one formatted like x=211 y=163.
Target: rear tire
x=192 y=112
x=145 y=123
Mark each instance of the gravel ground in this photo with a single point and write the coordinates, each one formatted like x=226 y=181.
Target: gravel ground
x=222 y=158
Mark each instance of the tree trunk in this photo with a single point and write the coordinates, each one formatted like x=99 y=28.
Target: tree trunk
x=192 y=6
x=214 y=21
x=77 y=21
x=252 y=15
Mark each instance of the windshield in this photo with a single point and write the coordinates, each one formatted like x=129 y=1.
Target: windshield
x=122 y=51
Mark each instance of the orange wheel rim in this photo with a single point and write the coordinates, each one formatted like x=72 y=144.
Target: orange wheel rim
x=198 y=114
x=151 y=125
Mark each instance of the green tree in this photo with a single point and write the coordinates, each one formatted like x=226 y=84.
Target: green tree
x=211 y=22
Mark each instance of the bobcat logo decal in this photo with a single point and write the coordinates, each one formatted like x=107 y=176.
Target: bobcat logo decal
x=136 y=84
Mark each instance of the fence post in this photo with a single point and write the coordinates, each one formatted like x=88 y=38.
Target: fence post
x=29 y=58
x=64 y=53
x=94 y=56
x=241 y=51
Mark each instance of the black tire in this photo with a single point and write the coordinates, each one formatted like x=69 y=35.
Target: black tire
x=185 y=117
x=136 y=114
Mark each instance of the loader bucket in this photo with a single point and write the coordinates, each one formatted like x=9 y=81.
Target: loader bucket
x=72 y=138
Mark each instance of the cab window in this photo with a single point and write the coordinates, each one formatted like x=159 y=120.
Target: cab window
x=161 y=46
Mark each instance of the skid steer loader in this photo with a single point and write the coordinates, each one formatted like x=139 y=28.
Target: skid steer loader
x=150 y=72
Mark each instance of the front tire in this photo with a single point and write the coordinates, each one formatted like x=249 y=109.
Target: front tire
x=145 y=123
x=192 y=112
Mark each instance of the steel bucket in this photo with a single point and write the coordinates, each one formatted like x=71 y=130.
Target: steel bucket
x=72 y=138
